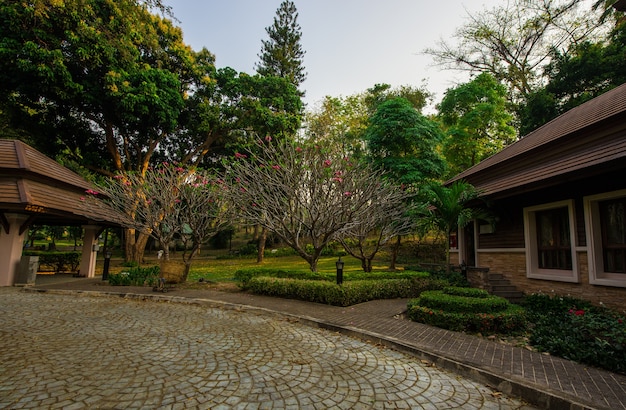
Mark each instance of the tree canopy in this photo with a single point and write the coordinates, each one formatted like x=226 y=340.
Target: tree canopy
x=477 y=122
x=282 y=54
x=513 y=41
x=404 y=143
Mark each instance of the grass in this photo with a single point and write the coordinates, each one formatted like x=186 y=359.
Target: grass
x=223 y=270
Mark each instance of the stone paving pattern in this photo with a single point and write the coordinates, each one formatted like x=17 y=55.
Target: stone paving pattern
x=545 y=381
x=80 y=351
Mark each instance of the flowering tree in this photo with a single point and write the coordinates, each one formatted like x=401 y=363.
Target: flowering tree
x=170 y=201
x=306 y=195
x=383 y=220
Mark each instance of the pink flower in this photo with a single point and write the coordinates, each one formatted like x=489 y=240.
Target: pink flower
x=238 y=155
x=268 y=138
x=91 y=192
x=118 y=177
x=82 y=198
x=347 y=193
x=277 y=167
x=180 y=169
x=327 y=163
x=298 y=149
x=336 y=179
x=177 y=201
x=579 y=312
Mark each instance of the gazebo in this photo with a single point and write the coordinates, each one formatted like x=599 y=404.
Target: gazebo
x=35 y=189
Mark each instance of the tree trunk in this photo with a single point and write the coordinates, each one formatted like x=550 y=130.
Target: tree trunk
x=261 y=246
x=394 y=253
x=135 y=245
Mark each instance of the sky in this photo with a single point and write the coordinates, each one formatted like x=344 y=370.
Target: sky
x=350 y=45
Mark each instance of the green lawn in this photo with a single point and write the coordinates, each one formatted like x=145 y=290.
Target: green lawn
x=223 y=270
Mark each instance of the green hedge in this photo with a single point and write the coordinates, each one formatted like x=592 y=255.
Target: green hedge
x=136 y=276
x=58 y=261
x=508 y=321
x=350 y=293
x=243 y=276
x=467 y=309
x=440 y=300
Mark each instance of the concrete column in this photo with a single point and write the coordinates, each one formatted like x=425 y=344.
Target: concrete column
x=88 y=259
x=11 y=244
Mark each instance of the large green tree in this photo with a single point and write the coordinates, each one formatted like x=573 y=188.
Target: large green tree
x=514 y=40
x=477 y=122
x=107 y=78
x=282 y=54
x=575 y=76
x=342 y=121
x=405 y=143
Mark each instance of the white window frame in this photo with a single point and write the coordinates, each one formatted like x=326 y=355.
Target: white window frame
x=532 y=255
x=593 y=226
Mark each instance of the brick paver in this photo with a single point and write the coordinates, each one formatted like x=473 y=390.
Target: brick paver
x=73 y=350
x=546 y=381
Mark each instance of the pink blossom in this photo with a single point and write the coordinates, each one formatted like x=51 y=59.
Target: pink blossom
x=268 y=138
x=347 y=193
x=177 y=201
x=91 y=192
x=327 y=163
x=276 y=167
x=337 y=179
x=238 y=155
x=118 y=177
x=298 y=149
x=82 y=198
x=180 y=169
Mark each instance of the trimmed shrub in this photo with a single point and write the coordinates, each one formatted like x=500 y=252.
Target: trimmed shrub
x=510 y=320
x=242 y=276
x=440 y=300
x=136 y=276
x=59 y=261
x=466 y=309
x=350 y=293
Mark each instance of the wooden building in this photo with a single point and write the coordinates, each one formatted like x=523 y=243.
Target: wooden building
x=559 y=197
x=35 y=189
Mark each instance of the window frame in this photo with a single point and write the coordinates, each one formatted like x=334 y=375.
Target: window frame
x=532 y=249
x=593 y=227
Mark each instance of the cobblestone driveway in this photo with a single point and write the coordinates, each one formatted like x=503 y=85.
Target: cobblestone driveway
x=77 y=351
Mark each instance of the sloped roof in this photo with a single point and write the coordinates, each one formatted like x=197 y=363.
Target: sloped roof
x=589 y=135
x=33 y=184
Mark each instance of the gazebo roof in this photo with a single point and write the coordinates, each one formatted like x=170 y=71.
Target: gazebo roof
x=35 y=185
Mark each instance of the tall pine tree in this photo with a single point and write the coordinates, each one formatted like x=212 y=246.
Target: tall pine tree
x=282 y=54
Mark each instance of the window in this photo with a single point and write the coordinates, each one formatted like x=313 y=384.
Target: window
x=550 y=242
x=613 y=235
x=553 y=239
x=605 y=216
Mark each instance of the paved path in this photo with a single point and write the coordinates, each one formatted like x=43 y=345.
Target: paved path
x=75 y=350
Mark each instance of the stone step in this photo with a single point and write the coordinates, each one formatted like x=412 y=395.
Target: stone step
x=503 y=288
x=500 y=282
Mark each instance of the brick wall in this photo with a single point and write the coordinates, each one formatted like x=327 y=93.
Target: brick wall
x=513 y=266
